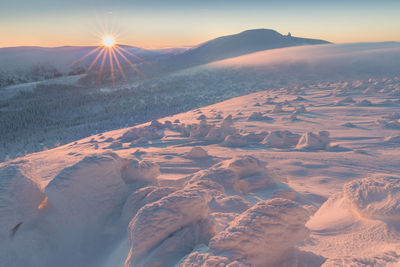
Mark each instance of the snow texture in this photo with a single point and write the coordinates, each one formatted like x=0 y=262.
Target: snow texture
x=175 y=223
x=375 y=198
x=312 y=141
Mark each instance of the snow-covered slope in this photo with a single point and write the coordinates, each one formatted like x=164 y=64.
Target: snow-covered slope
x=303 y=175
x=69 y=112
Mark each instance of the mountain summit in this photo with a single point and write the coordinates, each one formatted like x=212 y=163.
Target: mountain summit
x=240 y=44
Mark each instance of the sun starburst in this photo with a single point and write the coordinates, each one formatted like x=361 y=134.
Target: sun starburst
x=109 y=51
x=108 y=41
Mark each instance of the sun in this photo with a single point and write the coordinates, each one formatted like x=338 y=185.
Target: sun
x=108 y=41
x=109 y=52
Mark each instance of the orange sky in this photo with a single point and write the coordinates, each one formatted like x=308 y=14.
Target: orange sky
x=155 y=27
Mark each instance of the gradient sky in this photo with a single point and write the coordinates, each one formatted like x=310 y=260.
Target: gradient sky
x=169 y=23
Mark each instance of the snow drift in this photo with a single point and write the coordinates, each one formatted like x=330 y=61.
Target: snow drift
x=19 y=198
x=164 y=231
x=263 y=235
x=375 y=198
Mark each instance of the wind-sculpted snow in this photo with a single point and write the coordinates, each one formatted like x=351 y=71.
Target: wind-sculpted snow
x=195 y=189
x=229 y=204
x=90 y=189
x=19 y=201
x=243 y=175
x=345 y=101
x=235 y=140
x=209 y=132
x=174 y=224
x=312 y=141
x=202 y=258
x=263 y=235
x=390 y=259
x=140 y=172
x=363 y=219
x=140 y=198
x=258 y=116
x=143 y=134
x=165 y=230
x=393 y=139
x=197 y=153
x=281 y=139
x=375 y=198
x=390 y=123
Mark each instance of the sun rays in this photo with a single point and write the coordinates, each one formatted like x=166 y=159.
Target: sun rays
x=111 y=58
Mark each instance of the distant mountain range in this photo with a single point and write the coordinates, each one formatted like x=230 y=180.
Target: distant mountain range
x=22 y=59
x=240 y=44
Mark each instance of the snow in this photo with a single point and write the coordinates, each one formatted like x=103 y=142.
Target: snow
x=97 y=176
x=140 y=171
x=169 y=225
x=312 y=141
x=141 y=197
x=363 y=216
x=281 y=139
x=235 y=140
x=375 y=198
x=263 y=234
x=20 y=198
x=197 y=153
x=212 y=187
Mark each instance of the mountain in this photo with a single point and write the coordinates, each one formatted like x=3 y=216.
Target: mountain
x=239 y=44
x=30 y=64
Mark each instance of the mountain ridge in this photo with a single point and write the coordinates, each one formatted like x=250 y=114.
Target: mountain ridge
x=242 y=43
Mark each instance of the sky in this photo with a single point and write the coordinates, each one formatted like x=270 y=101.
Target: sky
x=177 y=23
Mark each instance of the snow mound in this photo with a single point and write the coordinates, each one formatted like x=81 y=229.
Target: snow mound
x=197 y=153
x=19 y=200
x=300 y=109
x=164 y=231
x=219 y=133
x=229 y=204
x=375 y=198
x=349 y=125
x=258 y=116
x=393 y=139
x=345 y=101
x=202 y=258
x=364 y=103
x=201 y=117
x=300 y=99
x=235 y=140
x=198 y=130
x=208 y=132
x=256 y=137
x=90 y=189
x=312 y=141
x=393 y=116
x=140 y=198
x=243 y=174
x=389 y=124
x=155 y=124
x=281 y=139
x=264 y=234
x=143 y=134
x=140 y=172
x=278 y=109
x=246 y=166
